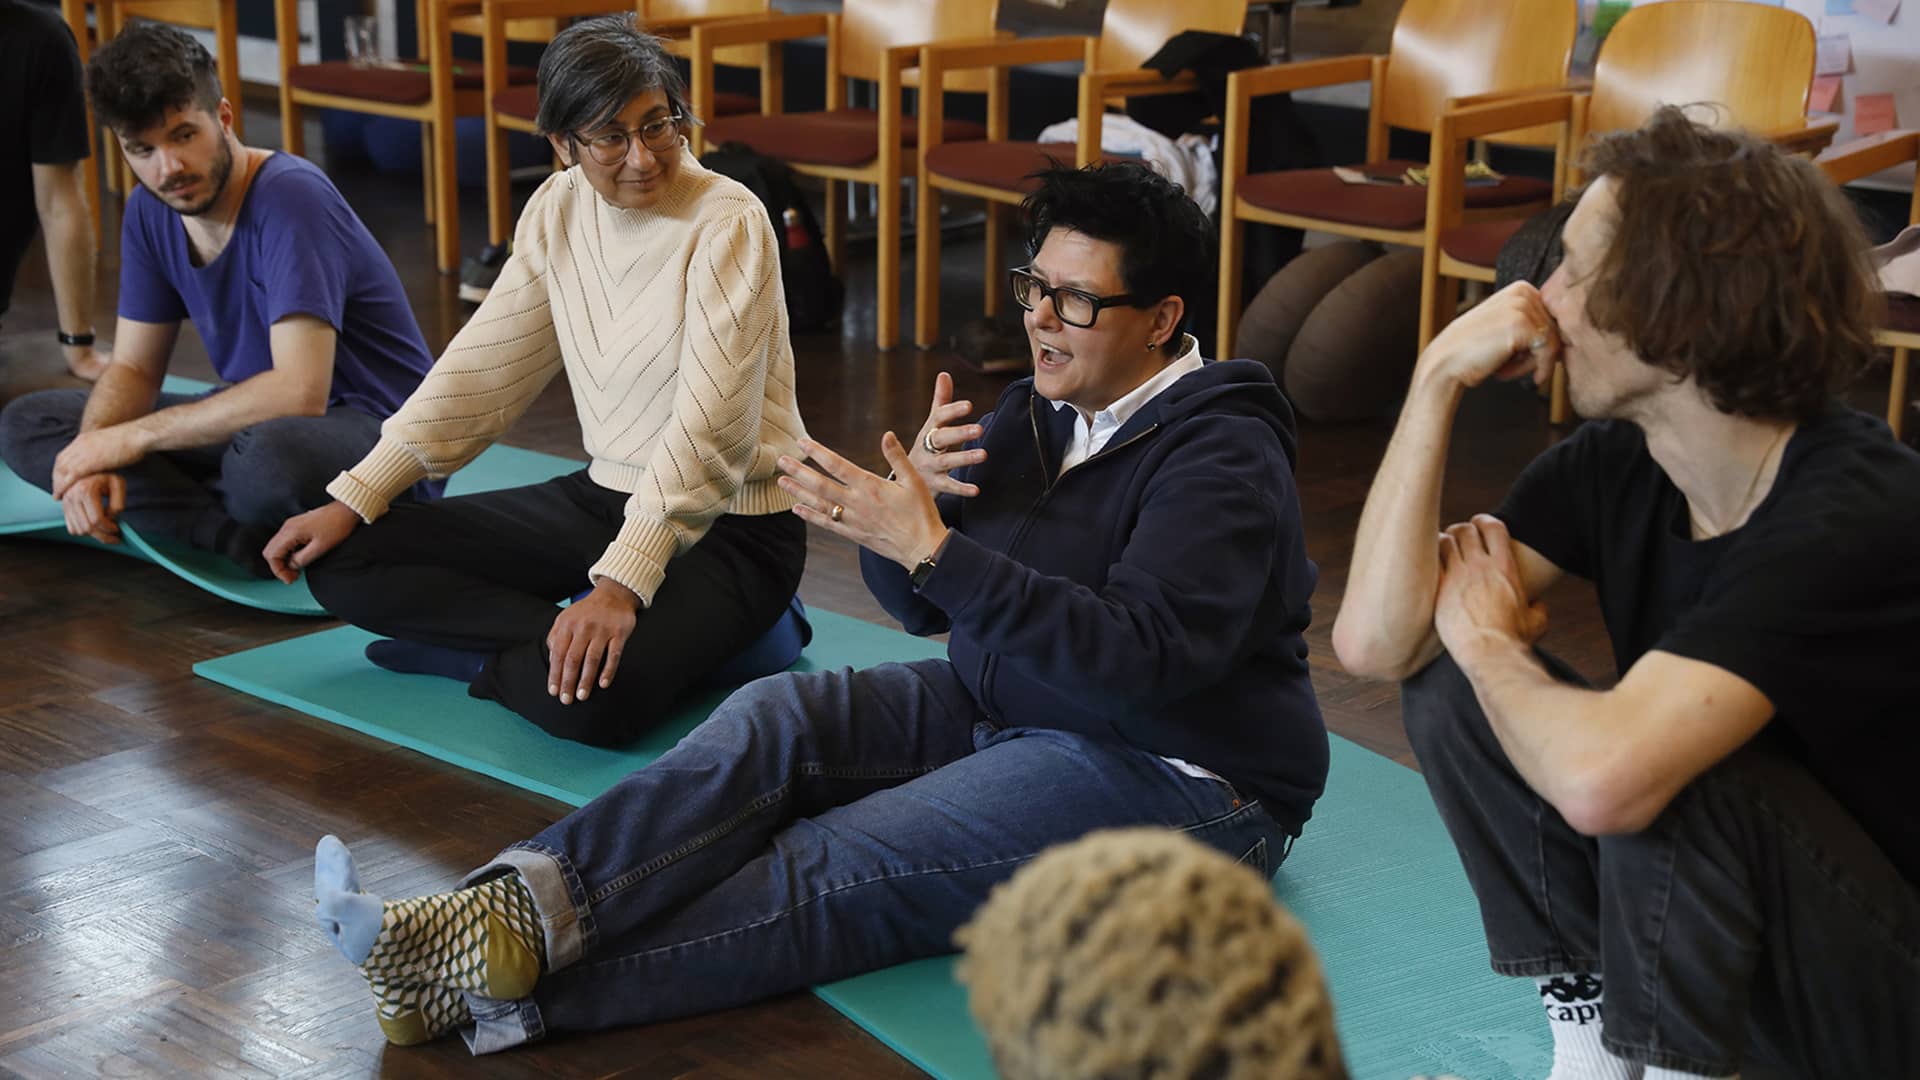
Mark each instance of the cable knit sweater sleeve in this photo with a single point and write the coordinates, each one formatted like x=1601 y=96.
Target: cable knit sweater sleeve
x=489 y=374
x=734 y=340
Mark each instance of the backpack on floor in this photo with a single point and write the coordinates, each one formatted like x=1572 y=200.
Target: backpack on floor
x=813 y=292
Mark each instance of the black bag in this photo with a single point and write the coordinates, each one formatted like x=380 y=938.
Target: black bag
x=813 y=292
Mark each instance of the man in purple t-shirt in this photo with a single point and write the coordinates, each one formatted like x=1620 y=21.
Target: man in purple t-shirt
x=301 y=312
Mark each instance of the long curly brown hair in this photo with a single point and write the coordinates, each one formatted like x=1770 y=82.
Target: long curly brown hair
x=1735 y=263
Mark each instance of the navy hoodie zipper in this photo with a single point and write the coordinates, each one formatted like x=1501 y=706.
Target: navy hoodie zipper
x=1020 y=533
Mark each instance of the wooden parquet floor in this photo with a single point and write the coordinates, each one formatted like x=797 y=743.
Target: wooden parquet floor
x=156 y=830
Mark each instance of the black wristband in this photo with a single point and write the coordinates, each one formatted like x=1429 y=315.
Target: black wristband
x=75 y=339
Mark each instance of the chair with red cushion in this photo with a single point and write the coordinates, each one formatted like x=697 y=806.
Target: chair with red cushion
x=514 y=107
x=996 y=170
x=1442 y=50
x=432 y=91
x=874 y=40
x=1754 y=62
x=1900 y=331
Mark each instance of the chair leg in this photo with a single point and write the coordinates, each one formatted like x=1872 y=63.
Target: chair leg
x=926 y=268
x=426 y=168
x=499 y=186
x=996 y=257
x=446 y=193
x=886 y=321
x=1897 y=393
x=1439 y=300
x=1558 y=410
x=836 y=226
x=1229 y=316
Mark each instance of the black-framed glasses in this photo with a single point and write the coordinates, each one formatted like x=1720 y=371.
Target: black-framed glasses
x=610 y=147
x=1076 y=307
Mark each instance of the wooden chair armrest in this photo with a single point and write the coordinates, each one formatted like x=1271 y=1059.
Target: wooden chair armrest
x=998 y=54
x=554 y=9
x=1808 y=139
x=749 y=30
x=1864 y=157
x=1510 y=114
x=1572 y=86
x=1301 y=75
x=1137 y=83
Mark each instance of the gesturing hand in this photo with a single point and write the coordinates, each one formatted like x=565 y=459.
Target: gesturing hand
x=303 y=538
x=944 y=433
x=587 y=639
x=92 y=506
x=1482 y=600
x=895 y=520
x=1509 y=334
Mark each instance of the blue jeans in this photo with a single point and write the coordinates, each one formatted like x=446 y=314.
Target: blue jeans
x=815 y=827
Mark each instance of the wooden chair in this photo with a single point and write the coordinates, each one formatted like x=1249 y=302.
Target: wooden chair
x=1755 y=62
x=75 y=14
x=874 y=40
x=514 y=107
x=996 y=170
x=214 y=15
x=1442 y=50
x=431 y=92
x=1901 y=330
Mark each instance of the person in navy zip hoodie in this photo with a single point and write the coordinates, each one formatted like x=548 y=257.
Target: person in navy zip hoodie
x=1117 y=554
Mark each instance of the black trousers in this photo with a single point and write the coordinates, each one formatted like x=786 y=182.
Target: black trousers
x=483 y=572
x=1754 y=922
x=228 y=497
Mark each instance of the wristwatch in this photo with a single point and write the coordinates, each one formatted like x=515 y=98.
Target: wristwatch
x=920 y=572
x=74 y=340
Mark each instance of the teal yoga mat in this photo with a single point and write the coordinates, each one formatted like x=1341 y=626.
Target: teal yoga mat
x=1375 y=878
x=25 y=510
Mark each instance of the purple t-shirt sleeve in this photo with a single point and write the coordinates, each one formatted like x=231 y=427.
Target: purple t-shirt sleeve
x=146 y=294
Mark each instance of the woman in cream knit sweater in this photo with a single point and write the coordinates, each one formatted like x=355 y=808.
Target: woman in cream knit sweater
x=654 y=283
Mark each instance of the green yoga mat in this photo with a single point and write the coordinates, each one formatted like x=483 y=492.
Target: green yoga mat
x=27 y=511
x=1375 y=878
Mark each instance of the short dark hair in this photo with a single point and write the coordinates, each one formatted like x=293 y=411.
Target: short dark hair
x=593 y=68
x=147 y=69
x=1165 y=239
x=1735 y=263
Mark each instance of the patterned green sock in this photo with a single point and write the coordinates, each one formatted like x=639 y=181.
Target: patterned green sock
x=410 y=1014
x=486 y=938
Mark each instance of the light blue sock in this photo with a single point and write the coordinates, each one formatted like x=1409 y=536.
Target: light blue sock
x=351 y=917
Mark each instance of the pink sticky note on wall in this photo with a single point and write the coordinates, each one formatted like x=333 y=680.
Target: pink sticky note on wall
x=1825 y=94
x=1873 y=114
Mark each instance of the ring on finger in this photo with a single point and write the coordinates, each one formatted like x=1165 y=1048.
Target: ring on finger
x=927 y=441
x=834 y=514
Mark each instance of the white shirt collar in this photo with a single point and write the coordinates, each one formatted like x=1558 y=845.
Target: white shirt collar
x=1090 y=437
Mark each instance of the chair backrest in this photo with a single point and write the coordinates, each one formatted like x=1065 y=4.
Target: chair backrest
x=1459 y=48
x=197 y=14
x=663 y=11
x=869 y=27
x=1133 y=30
x=1755 y=60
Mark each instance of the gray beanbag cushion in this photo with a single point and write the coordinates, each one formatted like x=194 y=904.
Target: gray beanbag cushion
x=1353 y=356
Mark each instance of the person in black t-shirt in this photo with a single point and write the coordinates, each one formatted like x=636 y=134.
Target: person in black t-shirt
x=1715 y=862
x=43 y=128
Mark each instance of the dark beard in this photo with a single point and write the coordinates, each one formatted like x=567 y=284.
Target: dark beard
x=222 y=172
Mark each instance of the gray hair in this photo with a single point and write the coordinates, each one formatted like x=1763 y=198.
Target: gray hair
x=594 y=67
